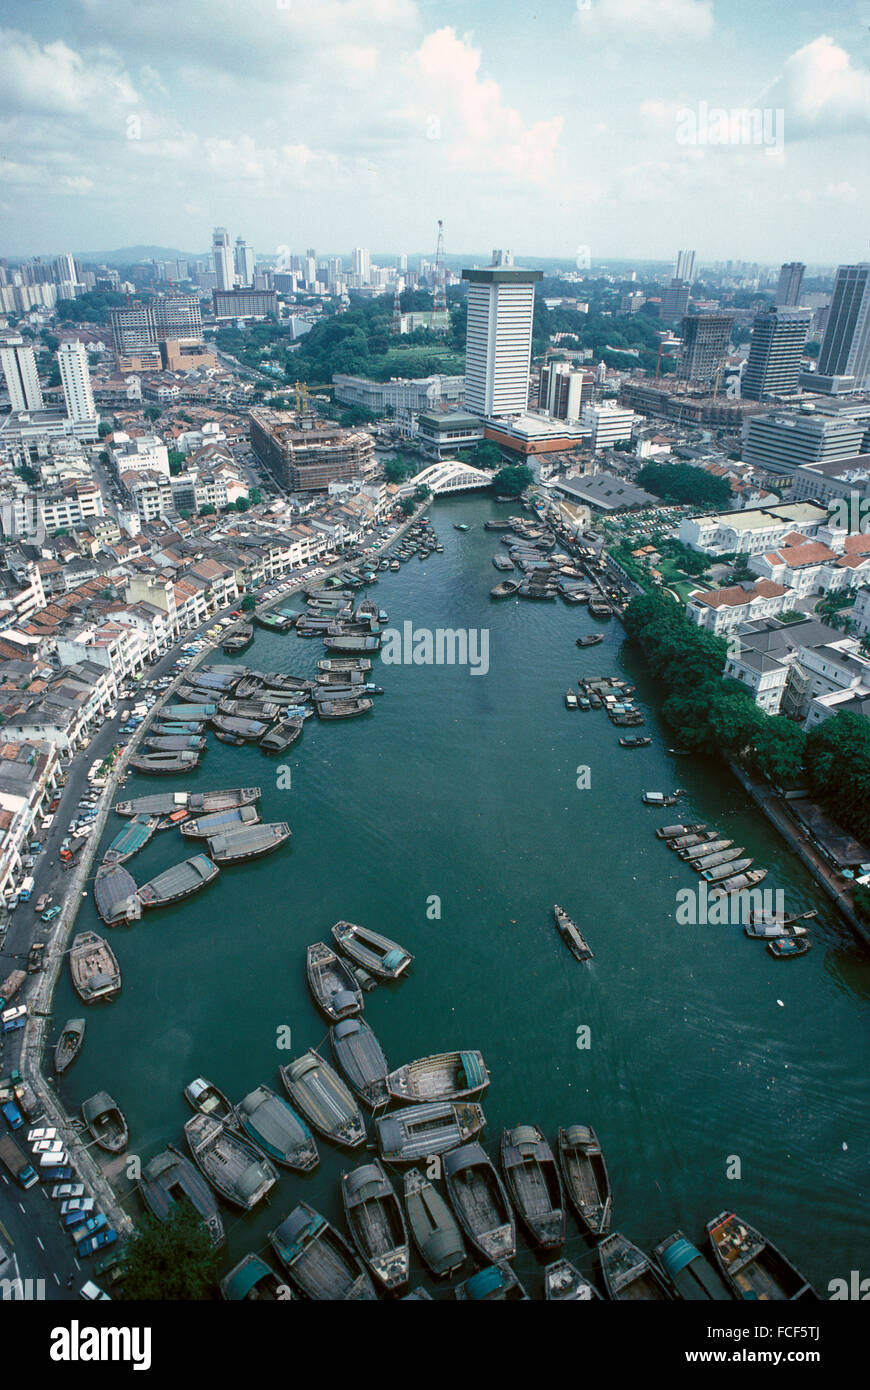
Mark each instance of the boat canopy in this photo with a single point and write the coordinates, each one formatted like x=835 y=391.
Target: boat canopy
x=245 y=1277
x=393 y=958
x=679 y=1254
x=365 y=1182
x=473 y=1070
x=343 y=999
x=253 y=1177
x=484 y=1282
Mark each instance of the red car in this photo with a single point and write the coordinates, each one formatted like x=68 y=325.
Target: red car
x=237 y=613
x=53 y=805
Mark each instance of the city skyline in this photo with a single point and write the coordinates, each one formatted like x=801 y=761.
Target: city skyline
x=123 y=125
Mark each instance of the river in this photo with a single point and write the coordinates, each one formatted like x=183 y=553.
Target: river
x=706 y=1057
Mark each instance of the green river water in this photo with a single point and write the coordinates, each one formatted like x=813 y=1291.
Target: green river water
x=702 y=1047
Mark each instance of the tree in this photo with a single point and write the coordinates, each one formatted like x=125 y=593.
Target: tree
x=681 y=483
x=173 y=1259
x=486 y=454
x=184 y=514
x=779 y=750
x=28 y=473
x=397 y=469
x=152 y=412
x=407 y=505
x=249 y=603
x=208 y=510
x=421 y=492
x=242 y=504
x=176 y=461
x=104 y=429
x=512 y=480
x=256 y=497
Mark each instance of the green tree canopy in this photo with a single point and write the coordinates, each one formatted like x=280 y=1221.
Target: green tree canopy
x=681 y=483
x=170 y=1260
x=512 y=480
x=249 y=603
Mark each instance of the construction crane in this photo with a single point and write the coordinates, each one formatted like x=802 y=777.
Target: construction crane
x=300 y=391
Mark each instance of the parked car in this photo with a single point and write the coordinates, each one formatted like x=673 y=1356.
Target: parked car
x=88 y=1227
x=50 y=914
x=94 y=1243
x=93 y=1293
x=77 y=1204
x=64 y=1190
x=48 y=1146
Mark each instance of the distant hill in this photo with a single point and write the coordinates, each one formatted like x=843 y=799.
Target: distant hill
x=129 y=255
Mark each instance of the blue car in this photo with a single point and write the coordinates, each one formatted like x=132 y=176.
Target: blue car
x=14 y=1117
x=88 y=1226
x=97 y=1242
x=62 y=1173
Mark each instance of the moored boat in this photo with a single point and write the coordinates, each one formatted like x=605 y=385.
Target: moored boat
x=419 y=1131
x=331 y=983
x=563 y=1283
x=319 y=1093
x=170 y=1176
x=319 y=1262
x=281 y=736
x=585 y=1177
x=753 y=1267
x=737 y=883
x=690 y=1273
x=506 y=589
x=200 y=827
x=444 y=1076
x=106 y=1123
x=481 y=1204
x=238 y=640
x=592 y=640
x=69 y=1044
x=360 y=1056
x=342 y=708
x=434 y=1228
x=242 y=842
x=671 y=832
x=254 y=1281
x=179 y=881
x=248 y=729
x=629 y=1274
x=116 y=896
x=377 y=1223
x=337 y=664
x=206 y=1099
x=95 y=971
x=164 y=764
x=532 y=1180
x=129 y=840
x=195 y=803
x=787 y=947
x=493 y=1284
x=372 y=951
x=232 y=1164
x=274 y=1127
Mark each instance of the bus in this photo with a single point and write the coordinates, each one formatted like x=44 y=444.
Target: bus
x=26 y=889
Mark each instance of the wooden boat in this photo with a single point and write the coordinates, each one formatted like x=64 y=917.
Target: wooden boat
x=738 y=883
x=753 y=1267
x=725 y=871
x=281 y=736
x=590 y=641
x=493 y=1284
x=276 y=1129
x=584 y=1174
x=164 y=764
x=659 y=798
x=760 y=923
x=239 y=843
x=703 y=849
x=106 y=1123
x=363 y=643
x=95 y=971
x=506 y=589
x=194 y=803
x=322 y=1097
x=377 y=1223
x=563 y=1283
x=175 y=743
x=434 y=1228
x=232 y=739
x=691 y=1275
x=199 y=828
x=238 y=640
x=206 y=1099
x=671 y=832
x=69 y=1044
x=629 y=1274
x=344 y=663
x=443 y=1076
x=273 y=622
x=571 y=934
x=328 y=680
x=570 y=700
x=248 y=729
x=116 y=896
x=254 y=1281
x=716 y=858
x=787 y=947
x=178 y=882
x=419 y=1131
x=635 y=742
x=170 y=1176
x=128 y=841
x=332 y=985
x=687 y=841
x=232 y=1164
x=260 y=711
x=480 y=1202
x=342 y=709
x=319 y=1261
x=532 y=1180
x=372 y=951
x=361 y=1058
x=502 y=563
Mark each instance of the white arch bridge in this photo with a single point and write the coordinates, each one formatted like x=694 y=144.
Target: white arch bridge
x=448 y=476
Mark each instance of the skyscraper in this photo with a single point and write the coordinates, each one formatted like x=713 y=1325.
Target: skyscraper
x=223 y=260
x=19 y=369
x=674 y=300
x=72 y=358
x=846 y=344
x=498 y=344
x=705 y=344
x=778 y=337
x=362 y=264
x=244 y=262
x=684 y=266
x=65 y=269
x=788 y=291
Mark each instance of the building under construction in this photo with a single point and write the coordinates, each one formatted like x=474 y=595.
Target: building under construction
x=304 y=454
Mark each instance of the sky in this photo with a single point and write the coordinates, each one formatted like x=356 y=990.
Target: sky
x=621 y=126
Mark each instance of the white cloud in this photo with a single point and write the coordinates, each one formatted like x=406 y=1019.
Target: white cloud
x=54 y=79
x=821 y=92
x=645 y=21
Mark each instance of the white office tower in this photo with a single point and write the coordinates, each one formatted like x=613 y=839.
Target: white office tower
x=498 y=343
x=19 y=369
x=362 y=264
x=788 y=291
x=846 y=345
x=684 y=266
x=244 y=262
x=402 y=262
x=65 y=269
x=72 y=358
x=310 y=271
x=223 y=259
x=778 y=338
